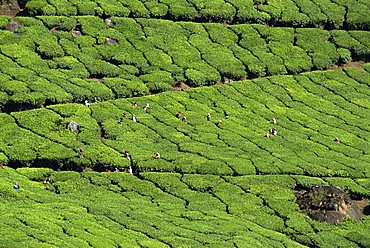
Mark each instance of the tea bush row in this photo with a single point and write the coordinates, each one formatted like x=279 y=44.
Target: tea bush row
x=331 y=14
x=57 y=59
x=230 y=142
x=109 y=209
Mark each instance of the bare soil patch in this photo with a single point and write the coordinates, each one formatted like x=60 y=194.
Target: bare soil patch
x=356 y=64
x=180 y=87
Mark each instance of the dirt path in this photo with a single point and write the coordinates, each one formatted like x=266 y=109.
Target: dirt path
x=349 y=64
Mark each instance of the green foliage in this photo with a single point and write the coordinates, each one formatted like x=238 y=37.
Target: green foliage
x=153 y=56
x=35 y=174
x=91 y=206
x=315 y=41
x=59 y=22
x=218 y=182
x=158 y=81
x=318 y=13
x=357 y=17
x=344 y=55
x=3 y=21
x=64 y=8
x=37 y=7
x=126 y=88
x=65 y=176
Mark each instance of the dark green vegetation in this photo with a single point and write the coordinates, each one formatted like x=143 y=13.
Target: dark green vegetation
x=56 y=59
x=219 y=181
x=303 y=13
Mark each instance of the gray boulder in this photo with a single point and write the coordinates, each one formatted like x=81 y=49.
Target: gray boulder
x=73 y=126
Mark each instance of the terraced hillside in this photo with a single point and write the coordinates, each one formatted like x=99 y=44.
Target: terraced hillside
x=56 y=59
x=227 y=179
x=153 y=163
x=312 y=109
x=167 y=210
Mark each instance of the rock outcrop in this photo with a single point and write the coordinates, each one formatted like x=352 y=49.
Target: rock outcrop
x=327 y=203
x=9 y=8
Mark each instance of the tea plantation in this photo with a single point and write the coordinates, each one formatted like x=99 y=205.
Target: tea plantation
x=186 y=123
x=59 y=59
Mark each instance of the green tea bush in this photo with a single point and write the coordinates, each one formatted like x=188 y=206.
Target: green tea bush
x=113 y=8
x=71 y=67
x=157 y=9
x=35 y=174
x=13 y=87
x=99 y=68
x=182 y=10
x=348 y=184
x=159 y=59
x=357 y=17
x=274 y=64
x=88 y=8
x=49 y=48
x=24 y=57
x=3 y=21
x=295 y=59
x=64 y=8
x=313 y=11
x=248 y=14
x=158 y=81
x=218 y=10
x=344 y=39
x=267 y=220
x=156 y=165
x=58 y=22
x=318 y=13
x=97 y=178
x=126 y=88
x=362 y=37
x=327 y=237
x=358 y=238
x=290 y=14
x=38 y=7
x=91 y=25
x=315 y=42
x=97 y=89
x=137 y=9
x=344 y=55
x=334 y=12
x=255 y=66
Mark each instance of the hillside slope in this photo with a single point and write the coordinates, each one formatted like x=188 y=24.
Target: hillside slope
x=216 y=184
x=311 y=109
x=110 y=150
x=166 y=210
x=55 y=59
